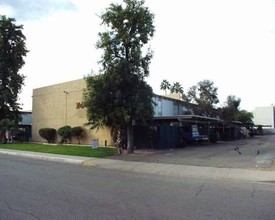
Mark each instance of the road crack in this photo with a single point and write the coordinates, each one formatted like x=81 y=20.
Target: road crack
x=253 y=193
x=200 y=189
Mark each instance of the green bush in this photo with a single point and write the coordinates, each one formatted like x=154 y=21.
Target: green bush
x=77 y=132
x=65 y=134
x=49 y=134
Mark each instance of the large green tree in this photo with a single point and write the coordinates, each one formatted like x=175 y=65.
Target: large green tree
x=12 y=53
x=119 y=95
x=231 y=107
x=231 y=111
x=205 y=95
x=245 y=117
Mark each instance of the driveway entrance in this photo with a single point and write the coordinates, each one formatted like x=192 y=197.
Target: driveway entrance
x=249 y=153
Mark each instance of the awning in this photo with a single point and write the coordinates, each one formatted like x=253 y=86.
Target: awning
x=187 y=118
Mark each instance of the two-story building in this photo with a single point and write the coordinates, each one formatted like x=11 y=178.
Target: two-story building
x=173 y=124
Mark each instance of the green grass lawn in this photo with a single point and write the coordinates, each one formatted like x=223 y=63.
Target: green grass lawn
x=72 y=150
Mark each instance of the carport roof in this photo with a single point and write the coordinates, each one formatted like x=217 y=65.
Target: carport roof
x=188 y=118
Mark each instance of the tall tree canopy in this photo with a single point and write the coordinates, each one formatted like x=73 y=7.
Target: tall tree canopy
x=205 y=95
x=165 y=85
x=231 y=111
x=231 y=107
x=12 y=53
x=119 y=94
x=176 y=88
x=245 y=117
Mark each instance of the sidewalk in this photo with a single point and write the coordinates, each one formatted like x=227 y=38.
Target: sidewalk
x=155 y=168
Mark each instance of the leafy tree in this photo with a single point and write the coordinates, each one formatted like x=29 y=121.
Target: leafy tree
x=49 y=134
x=12 y=53
x=205 y=95
x=233 y=102
x=185 y=97
x=165 y=85
x=231 y=111
x=192 y=94
x=231 y=108
x=119 y=95
x=245 y=117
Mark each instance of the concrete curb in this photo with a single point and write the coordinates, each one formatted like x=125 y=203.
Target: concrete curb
x=154 y=168
x=43 y=156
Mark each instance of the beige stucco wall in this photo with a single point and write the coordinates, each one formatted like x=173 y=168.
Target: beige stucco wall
x=58 y=105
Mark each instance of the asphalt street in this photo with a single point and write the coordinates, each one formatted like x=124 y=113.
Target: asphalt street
x=41 y=189
x=212 y=161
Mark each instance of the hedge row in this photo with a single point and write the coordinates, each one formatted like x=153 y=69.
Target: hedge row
x=66 y=133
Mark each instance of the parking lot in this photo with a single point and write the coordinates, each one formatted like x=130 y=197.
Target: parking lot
x=255 y=152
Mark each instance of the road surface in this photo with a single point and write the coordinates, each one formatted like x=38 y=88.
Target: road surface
x=34 y=189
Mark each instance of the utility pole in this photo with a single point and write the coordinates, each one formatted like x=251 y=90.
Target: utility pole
x=66 y=100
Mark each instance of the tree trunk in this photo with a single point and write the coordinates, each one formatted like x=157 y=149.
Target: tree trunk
x=130 y=139
x=3 y=137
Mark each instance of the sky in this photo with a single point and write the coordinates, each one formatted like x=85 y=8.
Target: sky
x=230 y=42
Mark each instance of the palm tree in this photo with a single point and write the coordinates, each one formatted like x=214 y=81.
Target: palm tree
x=165 y=85
x=177 y=88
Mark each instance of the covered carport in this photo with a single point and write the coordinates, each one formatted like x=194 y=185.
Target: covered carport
x=177 y=131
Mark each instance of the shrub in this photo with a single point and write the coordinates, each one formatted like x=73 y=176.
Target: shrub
x=77 y=132
x=49 y=134
x=65 y=133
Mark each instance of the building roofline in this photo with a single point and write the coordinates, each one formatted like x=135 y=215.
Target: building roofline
x=173 y=99
x=25 y=112
x=194 y=118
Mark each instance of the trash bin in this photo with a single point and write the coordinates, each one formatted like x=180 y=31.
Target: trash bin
x=95 y=144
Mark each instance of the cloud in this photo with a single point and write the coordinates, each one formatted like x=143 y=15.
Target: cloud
x=34 y=8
